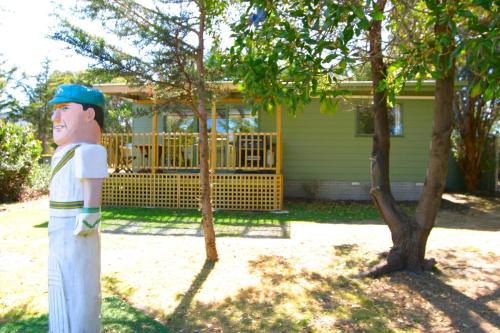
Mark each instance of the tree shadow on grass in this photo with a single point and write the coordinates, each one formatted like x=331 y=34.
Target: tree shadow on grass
x=177 y=317
x=117 y=316
x=120 y=316
x=42 y=225
x=21 y=320
x=289 y=299
x=465 y=313
x=248 y=229
x=122 y=292
x=37 y=324
x=494 y=296
x=278 y=230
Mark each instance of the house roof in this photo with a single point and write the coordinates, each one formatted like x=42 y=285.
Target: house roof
x=358 y=89
x=126 y=91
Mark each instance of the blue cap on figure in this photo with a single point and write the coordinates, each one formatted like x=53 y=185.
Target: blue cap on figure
x=75 y=93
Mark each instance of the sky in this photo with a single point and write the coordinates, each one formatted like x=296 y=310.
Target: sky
x=24 y=26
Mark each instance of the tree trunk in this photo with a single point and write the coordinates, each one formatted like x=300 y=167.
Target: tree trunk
x=399 y=225
x=473 y=142
x=206 y=203
x=437 y=167
x=409 y=235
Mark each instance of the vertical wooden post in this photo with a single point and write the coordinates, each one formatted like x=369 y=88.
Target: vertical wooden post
x=279 y=140
x=497 y=151
x=154 y=141
x=213 y=145
x=279 y=150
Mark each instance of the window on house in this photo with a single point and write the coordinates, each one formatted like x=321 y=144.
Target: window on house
x=365 y=122
x=231 y=120
x=180 y=122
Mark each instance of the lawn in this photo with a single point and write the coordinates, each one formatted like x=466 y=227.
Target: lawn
x=157 y=221
x=278 y=272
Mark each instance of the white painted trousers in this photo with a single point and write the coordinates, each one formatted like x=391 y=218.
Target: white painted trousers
x=74 y=279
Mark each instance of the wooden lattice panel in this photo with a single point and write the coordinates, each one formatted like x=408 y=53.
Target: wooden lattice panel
x=229 y=191
x=247 y=192
x=189 y=191
x=128 y=190
x=166 y=190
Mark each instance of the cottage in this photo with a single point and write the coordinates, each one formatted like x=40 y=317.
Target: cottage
x=257 y=160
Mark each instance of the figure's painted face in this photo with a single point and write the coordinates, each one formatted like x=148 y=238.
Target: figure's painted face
x=72 y=124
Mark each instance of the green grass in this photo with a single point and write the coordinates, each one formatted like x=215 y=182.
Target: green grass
x=117 y=317
x=233 y=223
x=296 y=211
x=162 y=221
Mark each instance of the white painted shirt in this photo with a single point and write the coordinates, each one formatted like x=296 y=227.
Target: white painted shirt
x=90 y=161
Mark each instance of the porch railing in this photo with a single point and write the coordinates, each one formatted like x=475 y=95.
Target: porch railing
x=141 y=152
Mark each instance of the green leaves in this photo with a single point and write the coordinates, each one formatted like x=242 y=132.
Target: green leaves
x=347 y=34
x=297 y=53
x=19 y=151
x=377 y=15
x=329 y=58
x=431 y=4
x=476 y=90
x=486 y=4
x=327 y=104
x=364 y=24
x=7 y=100
x=382 y=86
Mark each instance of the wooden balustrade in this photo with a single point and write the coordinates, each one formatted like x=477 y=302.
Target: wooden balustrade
x=133 y=152
x=246 y=151
x=178 y=151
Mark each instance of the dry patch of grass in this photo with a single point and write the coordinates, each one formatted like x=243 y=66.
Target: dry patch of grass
x=289 y=297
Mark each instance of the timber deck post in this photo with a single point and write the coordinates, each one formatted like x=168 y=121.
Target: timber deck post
x=279 y=148
x=213 y=135
x=279 y=125
x=154 y=150
x=154 y=158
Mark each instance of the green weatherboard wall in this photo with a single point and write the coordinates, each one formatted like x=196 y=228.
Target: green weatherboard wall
x=319 y=146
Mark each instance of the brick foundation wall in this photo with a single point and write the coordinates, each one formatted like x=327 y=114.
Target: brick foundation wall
x=343 y=190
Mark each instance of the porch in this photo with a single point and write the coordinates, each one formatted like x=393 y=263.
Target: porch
x=161 y=168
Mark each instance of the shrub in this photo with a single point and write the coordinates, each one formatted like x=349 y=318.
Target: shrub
x=39 y=178
x=19 y=151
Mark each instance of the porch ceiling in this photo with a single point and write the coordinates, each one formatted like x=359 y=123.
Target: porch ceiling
x=143 y=93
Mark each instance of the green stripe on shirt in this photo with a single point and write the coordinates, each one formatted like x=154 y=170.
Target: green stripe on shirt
x=66 y=204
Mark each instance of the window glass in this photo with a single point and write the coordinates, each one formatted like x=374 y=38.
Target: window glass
x=180 y=122
x=221 y=121
x=233 y=120
x=365 y=123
